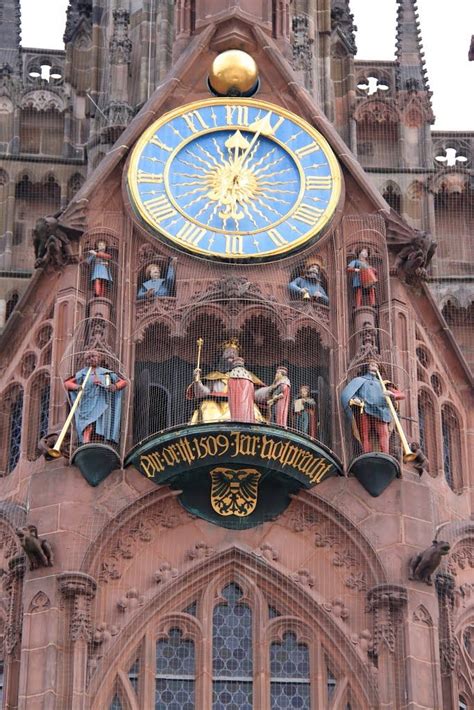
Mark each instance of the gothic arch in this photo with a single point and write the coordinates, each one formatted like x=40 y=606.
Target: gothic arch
x=263 y=585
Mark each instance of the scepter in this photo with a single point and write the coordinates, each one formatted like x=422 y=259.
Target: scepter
x=199 y=342
x=408 y=454
x=55 y=451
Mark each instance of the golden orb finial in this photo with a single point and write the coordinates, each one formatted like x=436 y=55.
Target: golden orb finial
x=233 y=73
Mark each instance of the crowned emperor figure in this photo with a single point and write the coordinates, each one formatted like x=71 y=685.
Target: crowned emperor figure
x=230 y=393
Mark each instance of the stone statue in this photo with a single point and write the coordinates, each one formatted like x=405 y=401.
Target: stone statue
x=364 y=279
x=413 y=261
x=309 y=286
x=98 y=413
x=424 y=564
x=279 y=402
x=305 y=412
x=101 y=276
x=364 y=403
x=38 y=551
x=155 y=286
x=51 y=244
x=229 y=394
x=420 y=462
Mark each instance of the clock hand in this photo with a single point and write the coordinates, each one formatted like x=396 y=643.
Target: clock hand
x=264 y=127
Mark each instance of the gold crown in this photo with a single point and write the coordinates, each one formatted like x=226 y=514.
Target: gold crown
x=231 y=343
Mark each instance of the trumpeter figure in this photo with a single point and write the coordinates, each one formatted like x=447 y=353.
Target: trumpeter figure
x=97 y=416
x=364 y=401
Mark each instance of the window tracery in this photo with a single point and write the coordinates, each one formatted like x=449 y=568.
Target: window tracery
x=237 y=647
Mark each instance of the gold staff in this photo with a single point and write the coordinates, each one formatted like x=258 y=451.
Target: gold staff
x=408 y=454
x=199 y=342
x=55 y=452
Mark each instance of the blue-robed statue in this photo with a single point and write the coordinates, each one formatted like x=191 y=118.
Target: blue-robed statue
x=309 y=286
x=155 y=286
x=365 y=403
x=101 y=276
x=98 y=415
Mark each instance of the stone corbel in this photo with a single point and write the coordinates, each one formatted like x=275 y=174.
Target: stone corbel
x=385 y=601
x=80 y=589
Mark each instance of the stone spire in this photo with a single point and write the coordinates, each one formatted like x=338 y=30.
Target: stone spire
x=410 y=63
x=342 y=20
x=10 y=20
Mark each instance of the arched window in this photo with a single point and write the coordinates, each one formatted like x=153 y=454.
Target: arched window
x=427 y=429
x=38 y=419
x=210 y=656
x=11 y=417
x=451 y=446
x=289 y=669
x=175 y=672
x=232 y=662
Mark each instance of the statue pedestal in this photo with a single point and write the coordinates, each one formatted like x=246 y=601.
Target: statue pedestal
x=375 y=471
x=96 y=461
x=100 y=307
x=362 y=316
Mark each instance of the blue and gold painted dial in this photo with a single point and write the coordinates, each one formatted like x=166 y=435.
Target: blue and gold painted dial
x=234 y=179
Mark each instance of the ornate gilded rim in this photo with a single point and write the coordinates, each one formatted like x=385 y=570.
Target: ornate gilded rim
x=305 y=240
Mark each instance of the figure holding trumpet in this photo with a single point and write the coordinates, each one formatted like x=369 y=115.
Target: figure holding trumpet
x=368 y=401
x=97 y=415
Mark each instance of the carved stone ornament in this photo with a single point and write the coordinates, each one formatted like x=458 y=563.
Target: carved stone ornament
x=79 y=588
x=13 y=584
x=130 y=601
x=43 y=100
x=413 y=260
x=304 y=578
x=165 y=573
x=337 y=608
x=200 y=551
x=385 y=602
x=302 y=45
x=368 y=348
x=37 y=550
x=51 y=244
x=232 y=287
x=425 y=563
x=422 y=616
x=40 y=602
x=268 y=552
x=120 y=46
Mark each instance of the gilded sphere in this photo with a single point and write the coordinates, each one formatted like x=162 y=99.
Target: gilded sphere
x=233 y=72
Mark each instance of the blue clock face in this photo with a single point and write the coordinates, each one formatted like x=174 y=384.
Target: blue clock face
x=234 y=179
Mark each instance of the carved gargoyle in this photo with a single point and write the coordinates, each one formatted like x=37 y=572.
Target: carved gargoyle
x=412 y=261
x=49 y=441
x=421 y=462
x=424 y=564
x=38 y=551
x=51 y=243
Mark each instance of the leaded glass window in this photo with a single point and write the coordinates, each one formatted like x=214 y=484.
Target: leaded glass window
x=133 y=674
x=331 y=684
x=289 y=669
x=16 y=417
x=116 y=703
x=175 y=672
x=451 y=444
x=44 y=410
x=232 y=664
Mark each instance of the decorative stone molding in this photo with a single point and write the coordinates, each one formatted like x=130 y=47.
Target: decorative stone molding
x=130 y=601
x=40 y=602
x=80 y=589
x=120 y=46
x=302 y=43
x=165 y=573
x=200 y=551
x=422 y=616
x=385 y=602
x=268 y=552
x=13 y=584
x=448 y=648
x=337 y=608
x=304 y=578
x=43 y=100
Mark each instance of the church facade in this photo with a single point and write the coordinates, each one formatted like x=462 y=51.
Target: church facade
x=236 y=350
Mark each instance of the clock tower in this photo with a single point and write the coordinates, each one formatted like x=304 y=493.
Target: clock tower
x=227 y=481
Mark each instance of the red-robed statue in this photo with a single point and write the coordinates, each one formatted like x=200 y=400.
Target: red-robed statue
x=230 y=393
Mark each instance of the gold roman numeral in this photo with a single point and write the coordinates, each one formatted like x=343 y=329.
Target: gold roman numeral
x=160 y=208
x=191 y=234
x=191 y=117
x=319 y=183
x=233 y=244
x=308 y=214
x=276 y=238
x=143 y=176
x=241 y=115
x=306 y=150
x=156 y=141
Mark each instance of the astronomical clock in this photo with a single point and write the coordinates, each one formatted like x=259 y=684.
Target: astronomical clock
x=234 y=179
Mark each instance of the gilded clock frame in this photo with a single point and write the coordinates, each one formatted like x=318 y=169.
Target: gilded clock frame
x=166 y=237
